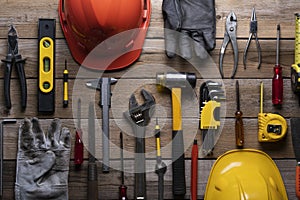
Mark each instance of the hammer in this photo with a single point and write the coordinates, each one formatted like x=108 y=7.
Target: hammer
x=177 y=82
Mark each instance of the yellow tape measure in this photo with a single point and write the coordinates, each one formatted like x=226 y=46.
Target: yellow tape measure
x=271 y=127
x=297 y=38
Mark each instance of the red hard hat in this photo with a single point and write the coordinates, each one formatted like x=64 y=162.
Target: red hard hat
x=106 y=34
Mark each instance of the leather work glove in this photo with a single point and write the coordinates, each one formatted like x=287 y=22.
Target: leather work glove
x=196 y=21
x=42 y=161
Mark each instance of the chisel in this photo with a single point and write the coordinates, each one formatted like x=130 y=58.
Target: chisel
x=92 y=166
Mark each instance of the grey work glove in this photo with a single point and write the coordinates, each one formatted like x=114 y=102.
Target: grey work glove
x=42 y=161
x=196 y=21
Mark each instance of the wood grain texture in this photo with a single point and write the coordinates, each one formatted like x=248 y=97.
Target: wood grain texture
x=25 y=14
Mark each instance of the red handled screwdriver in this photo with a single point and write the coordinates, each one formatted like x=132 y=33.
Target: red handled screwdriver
x=277 y=81
x=194 y=171
x=122 y=188
x=78 y=150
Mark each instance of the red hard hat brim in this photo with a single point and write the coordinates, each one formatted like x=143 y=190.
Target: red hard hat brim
x=113 y=62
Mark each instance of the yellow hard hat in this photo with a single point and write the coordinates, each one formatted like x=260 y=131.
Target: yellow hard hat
x=245 y=174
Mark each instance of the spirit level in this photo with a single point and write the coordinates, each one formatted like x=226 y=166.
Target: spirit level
x=46 y=83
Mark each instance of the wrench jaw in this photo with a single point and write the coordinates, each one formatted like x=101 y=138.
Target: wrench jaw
x=141 y=114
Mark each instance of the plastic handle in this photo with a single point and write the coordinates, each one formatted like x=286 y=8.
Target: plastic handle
x=7 y=85
x=78 y=150
x=277 y=86
x=140 y=176
x=92 y=181
x=178 y=166
x=21 y=74
x=298 y=181
x=123 y=192
x=239 y=129
x=194 y=171
x=160 y=186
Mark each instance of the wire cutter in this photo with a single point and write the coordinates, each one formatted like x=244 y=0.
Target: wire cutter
x=253 y=33
x=230 y=35
x=14 y=58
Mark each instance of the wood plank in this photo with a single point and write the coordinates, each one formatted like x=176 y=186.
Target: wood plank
x=225 y=142
x=249 y=90
x=27 y=17
x=108 y=183
x=154 y=51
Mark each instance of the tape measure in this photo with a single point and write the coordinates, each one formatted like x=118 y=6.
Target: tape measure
x=46 y=83
x=295 y=69
x=271 y=127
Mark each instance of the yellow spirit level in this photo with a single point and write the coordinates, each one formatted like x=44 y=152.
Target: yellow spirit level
x=271 y=127
x=46 y=83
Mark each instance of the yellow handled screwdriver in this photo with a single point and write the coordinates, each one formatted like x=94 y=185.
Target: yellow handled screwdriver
x=65 y=81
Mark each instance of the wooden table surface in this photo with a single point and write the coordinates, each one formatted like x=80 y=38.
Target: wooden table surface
x=25 y=14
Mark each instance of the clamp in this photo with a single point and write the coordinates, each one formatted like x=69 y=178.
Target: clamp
x=14 y=58
x=230 y=35
x=253 y=33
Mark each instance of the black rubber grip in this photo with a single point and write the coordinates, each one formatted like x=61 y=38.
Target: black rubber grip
x=140 y=175
x=178 y=166
x=160 y=186
x=7 y=84
x=21 y=73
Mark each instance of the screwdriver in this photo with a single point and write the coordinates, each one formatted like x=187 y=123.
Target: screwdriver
x=277 y=81
x=160 y=168
x=194 y=171
x=239 y=127
x=65 y=87
x=78 y=150
x=122 y=188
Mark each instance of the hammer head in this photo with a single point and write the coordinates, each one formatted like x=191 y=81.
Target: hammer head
x=175 y=80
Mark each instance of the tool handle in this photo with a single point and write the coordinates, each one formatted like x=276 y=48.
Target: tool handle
x=140 y=176
x=277 y=86
x=92 y=181
x=78 y=149
x=7 y=76
x=298 y=181
x=160 y=186
x=105 y=138
x=194 y=171
x=239 y=129
x=178 y=166
x=21 y=73
x=123 y=192
x=65 y=88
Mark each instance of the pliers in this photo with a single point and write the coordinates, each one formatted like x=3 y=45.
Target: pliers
x=229 y=35
x=139 y=117
x=253 y=33
x=14 y=58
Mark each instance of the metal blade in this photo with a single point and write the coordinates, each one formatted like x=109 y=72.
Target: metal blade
x=12 y=41
x=237 y=89
x=94 y=84
x=295 y=127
